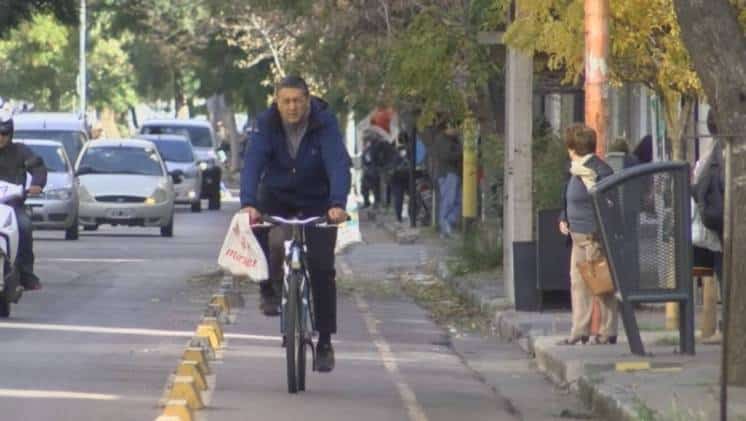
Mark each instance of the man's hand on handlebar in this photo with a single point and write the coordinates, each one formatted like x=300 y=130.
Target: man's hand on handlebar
x=337 y=215
x=255 y=216
x=34 y=190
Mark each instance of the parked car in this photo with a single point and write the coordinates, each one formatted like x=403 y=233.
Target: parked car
x=125 y=182
x=57 y=206
x=203 y=140
x=66 y=128
x=177 y=153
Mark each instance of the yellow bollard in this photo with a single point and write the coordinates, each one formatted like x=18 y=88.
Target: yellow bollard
x=672 y=316
x=212 y=321
x=222 y=301
x=178 y=409
x=209 y=332
x=469 y=184
x=192 y=369
x=185 y=388
x=709 y=306
x=198 y=356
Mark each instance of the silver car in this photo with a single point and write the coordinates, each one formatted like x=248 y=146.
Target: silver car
x=67 y=128
x=125 y=182
x=205 y=145
x=183 y=165
x=57 y=207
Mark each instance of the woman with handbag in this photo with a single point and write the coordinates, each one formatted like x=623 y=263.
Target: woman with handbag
x=577 y=221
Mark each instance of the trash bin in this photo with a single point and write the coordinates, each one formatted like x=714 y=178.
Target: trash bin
x=645 y=222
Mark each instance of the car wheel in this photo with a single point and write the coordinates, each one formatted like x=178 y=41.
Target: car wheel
x=215 y=198
x=197 y=206
x=168 y=230
x=72 y=233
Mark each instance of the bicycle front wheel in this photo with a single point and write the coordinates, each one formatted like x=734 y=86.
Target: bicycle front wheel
x=303 y=343
x=292 y=333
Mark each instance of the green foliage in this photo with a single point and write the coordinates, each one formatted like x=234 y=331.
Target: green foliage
x=550 y=167
x=14 y=12
x=111 y=76
x=38 y=63
x=423 y=69
x=41 y=66
x=645 y=45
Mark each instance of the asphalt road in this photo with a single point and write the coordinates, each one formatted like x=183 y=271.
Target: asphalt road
x=99 y=341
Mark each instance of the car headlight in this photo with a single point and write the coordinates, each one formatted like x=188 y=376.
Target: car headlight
x=59 y=194
x=84 y=195
x=158 y=196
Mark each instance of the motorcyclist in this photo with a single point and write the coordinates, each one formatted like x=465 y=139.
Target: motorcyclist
x=16 y=160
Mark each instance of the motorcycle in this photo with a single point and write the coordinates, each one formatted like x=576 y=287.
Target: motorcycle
x=10 y=285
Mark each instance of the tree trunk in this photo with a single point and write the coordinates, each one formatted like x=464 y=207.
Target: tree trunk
x=722 y=69
x=678 y=111
x=221 y=113
x=180 y=103
x=109 y=123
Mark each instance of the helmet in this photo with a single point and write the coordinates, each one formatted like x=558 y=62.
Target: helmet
x=6 y=123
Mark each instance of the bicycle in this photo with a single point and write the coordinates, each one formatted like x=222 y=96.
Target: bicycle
x=297 y=323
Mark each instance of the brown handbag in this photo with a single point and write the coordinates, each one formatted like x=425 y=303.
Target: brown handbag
x=597 y=275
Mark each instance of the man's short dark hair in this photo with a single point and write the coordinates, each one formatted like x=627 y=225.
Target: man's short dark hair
x=292 y=81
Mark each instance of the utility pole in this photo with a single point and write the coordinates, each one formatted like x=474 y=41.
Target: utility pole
x=597 y=69
x=597 y=88
x=82 y=79
x=518 y=212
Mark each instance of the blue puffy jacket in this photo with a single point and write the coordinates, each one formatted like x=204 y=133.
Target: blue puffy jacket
x=316 y=180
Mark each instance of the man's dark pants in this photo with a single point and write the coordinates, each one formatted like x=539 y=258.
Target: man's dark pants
x=321 y=243
x=25 y=246
x=371 y=183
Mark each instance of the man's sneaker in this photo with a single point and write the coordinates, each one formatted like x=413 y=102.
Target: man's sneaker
x=324 y=357
x=269 y=302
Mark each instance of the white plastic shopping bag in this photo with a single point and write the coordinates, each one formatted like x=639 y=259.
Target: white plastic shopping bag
x=702 y=236
x=349 y=232
x=241 y=254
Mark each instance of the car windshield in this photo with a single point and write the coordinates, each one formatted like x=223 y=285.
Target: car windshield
x=200 y=137
x=120 y=160
x=174 y=151
x=71 y=140
x=53 y=157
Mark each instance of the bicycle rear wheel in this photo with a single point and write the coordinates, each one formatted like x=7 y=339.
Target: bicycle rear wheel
x=292 y=336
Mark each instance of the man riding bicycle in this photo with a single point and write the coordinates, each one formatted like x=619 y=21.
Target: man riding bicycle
x=297 y=166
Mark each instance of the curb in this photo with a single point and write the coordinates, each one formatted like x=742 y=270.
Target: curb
x=488 y=306
x=600 y=398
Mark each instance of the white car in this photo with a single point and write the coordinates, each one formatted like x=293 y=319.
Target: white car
x=125 y=182
x=181 y=162
x=57 y=207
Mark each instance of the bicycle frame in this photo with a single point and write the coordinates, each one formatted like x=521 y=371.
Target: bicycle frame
x=296 y=264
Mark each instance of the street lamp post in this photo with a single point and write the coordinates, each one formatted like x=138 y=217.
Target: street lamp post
x=82 y=80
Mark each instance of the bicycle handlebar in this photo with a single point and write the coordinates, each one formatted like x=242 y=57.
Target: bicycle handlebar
x=316 y=221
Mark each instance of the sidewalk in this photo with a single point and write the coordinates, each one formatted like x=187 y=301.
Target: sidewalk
x=611 y=381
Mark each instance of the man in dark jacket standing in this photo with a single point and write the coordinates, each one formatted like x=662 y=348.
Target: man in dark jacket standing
x=298 y=156
x=15 y=161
